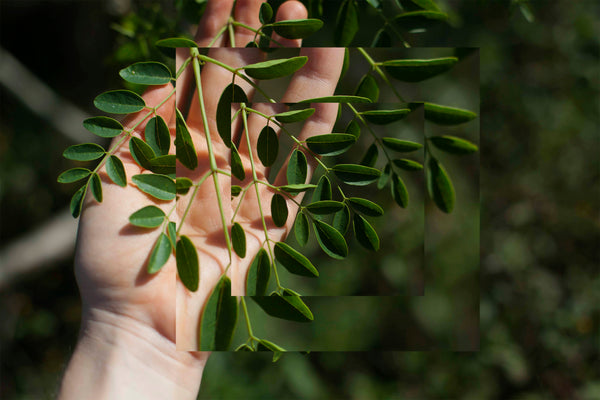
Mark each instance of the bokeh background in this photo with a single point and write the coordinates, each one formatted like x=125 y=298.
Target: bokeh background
x=538 y=328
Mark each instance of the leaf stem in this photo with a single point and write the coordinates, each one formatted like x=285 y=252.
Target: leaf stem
x=383 y=76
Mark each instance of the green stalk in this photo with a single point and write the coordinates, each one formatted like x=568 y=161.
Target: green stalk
x=383 y=76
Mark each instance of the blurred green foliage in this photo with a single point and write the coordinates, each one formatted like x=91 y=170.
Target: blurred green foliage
x=539 y=282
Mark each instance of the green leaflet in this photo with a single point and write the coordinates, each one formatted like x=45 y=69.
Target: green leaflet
x=370 y=157
x=297 y=28
x=297 y=188
x=172 y=233
x=160 y=254
x=402 y=146
x=297 y=168
x=289 y=306
x=265 y=13
x=176 y=42
x=418 y=70
x=238 y=237
x=141 y=152
x=159 y=186
x=116 y=171
x=443 y=115
x=245 y=347
x=364 y=206
x=258 y=274
x=279 y=210
x=73 y=175
x=353 y=128
x=231 y=94
x=346 y=24
x=219 y=318
x=357 y=175
x=365 y=234
x=374 y=3
x=453 y=144
x=399 y=192
x=237 y=168
x=338 y=99
x=408 y=165
x=96 y=186
x=275 y=68
x=382 y=39
x=301 y=229
x=103 y=126
x=265 y=345
x=330 y=239
x=384 y=117
x=235 y=190
x=419 y=19
x=186 y=152
x=119 y=102
x=264 y=43
x=323 y=189
x=77 y=201
x=368 y=88
x=341 y=220
x=84 y=152
x=294 y=115
x=384 y=178
x=293 y=261
x=148 y=217
x=157 y=136
x=324 y=207
x=440 y=186
x=163 y=164
x=331 y=144
x=146 y=73
x=183 y=185
x=267 y=145
x=188 y=267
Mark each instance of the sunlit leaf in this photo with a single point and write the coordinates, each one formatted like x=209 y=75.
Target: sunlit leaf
x=364 y=206
x=218 y=318
x=301 y=229
x=141 y=152
x=231 y=94
x=399 y=191
x=146 y=73
x=443 y=115
x=358 y=175
x=148 y=217
x=294 y=115
x=188 y=267
x=418 y=70
x=297 y=168
x=293 y=261
x=297 y=28
x=84 y=152
x=346 y=24
x=365 y=234
x=440 y=186
x=157 y=136
x=238 y=237
x=258 y=274
x=279 y=210
x=330 y=239
x=331 y=144
x=172 y=233
x=119 y=102
x=368 y=88
x=289 y=307
x=116 y=171
x=186 y=152
x=267 y=145
x=103 y=126
x=159 y=186
x=275 y=68
x=403 y=146
x=73 y=175
x=383 y=117
x=160 y=254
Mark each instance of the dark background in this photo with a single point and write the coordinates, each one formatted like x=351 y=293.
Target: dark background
x=539 y=224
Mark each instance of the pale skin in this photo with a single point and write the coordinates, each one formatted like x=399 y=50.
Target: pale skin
x=137 y=327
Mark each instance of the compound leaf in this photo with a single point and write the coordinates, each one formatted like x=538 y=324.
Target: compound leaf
x=188 y=267
x=159 y=186
x=238 y=238
x=267 y=145
x=84 y=152
x=258 y=274
x=279 y=210
x=219 y=318
x=147 y=217
x=365 y=234
x=103 y=126
x=119 y=102
x=297 y=28
x=275 y=68
x=293 y=261
x=160 y=254
x=73 y=175
x=116 y=171
x=330 y=239
x=146 y=73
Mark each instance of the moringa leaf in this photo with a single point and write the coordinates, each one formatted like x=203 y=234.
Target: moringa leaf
x=148 y=217
x=258 y=274
x=73 y=175
x=297 y=168
x=324 y=207
x=294 y=115
x=353 y=128
x=119 y=102
x=365 y=234
x=443 y=115
x=453 y=144
x=323 y=189
x=96 y=186
x=364 y=206
x=84 y=152
x=337 y=99
x=426 y=5
x=235 y=190
x=185 y=150
x=402 y=146
x=160 y=254
x=275 y=68
x=408 y=165
x=297 y=188
x=103 y=126
x=157 y=136
x=176 y=42
x=384 y=117
x=159 y=186
x=183 y=185
x=188 y=267
x=331 y=144
x=237 y=168
x=370 y=157
x=146 y=73
x=330 y=239
x=357 y=175
x=297 y=28
x=172 y=231
x=265 y=14
x=346 y=24
x=289 y=306
x=267 y=145
x=418 y=70
x=238 y=238
x=265 y=345
x=368 y=88
x=341 y=220
x=141 y=152
x=382 y=39
x=218 y=318
x=293 y=261
x=385 y=177
x=399 y=192
x=440 y=186
x=77 y=201
x=163 y=164
x=116 y=171
x=419 y=19
x=301 y=229
x=279 y=210
x=231 y=94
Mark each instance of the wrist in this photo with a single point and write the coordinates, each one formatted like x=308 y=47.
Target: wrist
x=118 y=357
